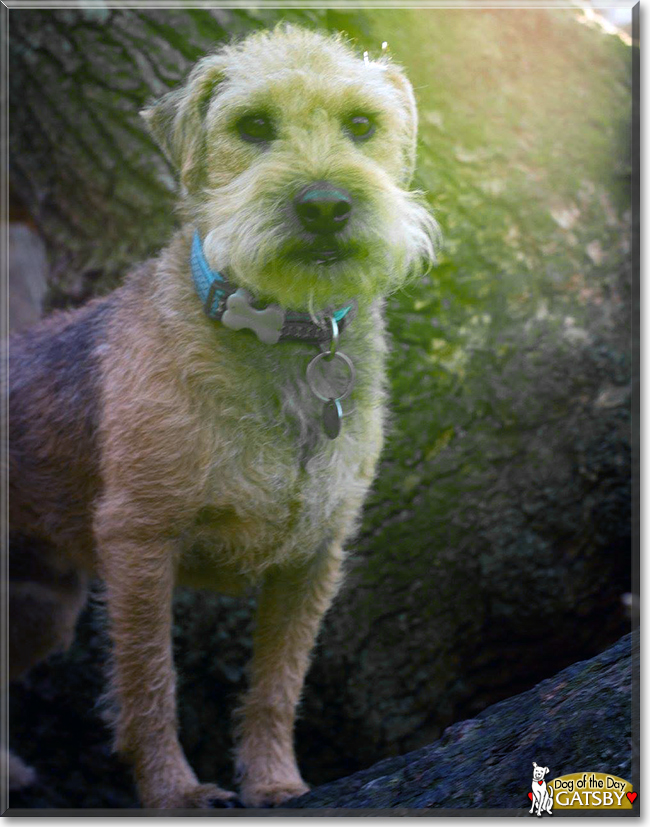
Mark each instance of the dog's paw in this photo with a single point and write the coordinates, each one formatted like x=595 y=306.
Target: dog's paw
x=196 y=797
x=209 y=797
x=259 y=795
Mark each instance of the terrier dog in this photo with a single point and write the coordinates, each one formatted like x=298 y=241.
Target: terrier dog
x=217 y=420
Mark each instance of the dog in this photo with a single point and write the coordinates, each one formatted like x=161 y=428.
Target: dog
x=542 y=795
x=217 y=420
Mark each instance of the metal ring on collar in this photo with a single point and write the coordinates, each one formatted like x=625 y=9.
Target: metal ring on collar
x=335 y=337
x=332 y=347
x=329 y=356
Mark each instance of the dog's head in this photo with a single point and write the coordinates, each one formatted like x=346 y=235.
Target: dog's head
x=539 y=773
x=295 y=156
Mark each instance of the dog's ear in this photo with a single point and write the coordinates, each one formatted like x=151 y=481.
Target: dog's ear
x=394 y=74
x=177 y=120
x=545 y=770
x=534 y=764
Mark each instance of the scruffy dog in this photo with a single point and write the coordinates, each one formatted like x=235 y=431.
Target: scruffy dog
x=217 y=420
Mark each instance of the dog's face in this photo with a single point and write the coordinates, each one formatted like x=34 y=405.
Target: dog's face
x=295 y=156
x=539 y=773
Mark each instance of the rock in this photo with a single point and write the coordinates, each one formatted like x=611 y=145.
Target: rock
x=579 y=720
x=28 y=275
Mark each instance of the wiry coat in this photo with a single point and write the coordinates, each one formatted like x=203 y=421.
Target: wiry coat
x=154 y=446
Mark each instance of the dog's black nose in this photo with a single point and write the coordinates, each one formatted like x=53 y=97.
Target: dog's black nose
x=323 y=208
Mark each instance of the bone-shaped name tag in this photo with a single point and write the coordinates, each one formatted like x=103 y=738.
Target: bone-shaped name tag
x=266 y=324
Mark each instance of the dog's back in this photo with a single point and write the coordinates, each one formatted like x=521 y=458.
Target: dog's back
x=53 y=406
x=54 y=399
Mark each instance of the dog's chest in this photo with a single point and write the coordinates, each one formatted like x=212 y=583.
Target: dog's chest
x=261 y=510
x=277 y=487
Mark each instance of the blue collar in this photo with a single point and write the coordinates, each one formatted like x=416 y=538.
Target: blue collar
x=231 y=305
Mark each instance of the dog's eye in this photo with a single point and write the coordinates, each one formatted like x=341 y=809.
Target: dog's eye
x=359 y=127
x=256 y=129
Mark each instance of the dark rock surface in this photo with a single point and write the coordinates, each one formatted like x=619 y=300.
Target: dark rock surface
x=581 y=719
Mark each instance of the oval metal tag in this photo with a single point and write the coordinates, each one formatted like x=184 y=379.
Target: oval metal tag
x=332 y=414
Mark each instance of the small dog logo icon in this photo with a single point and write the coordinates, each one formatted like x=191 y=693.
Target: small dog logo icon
x=542 y=796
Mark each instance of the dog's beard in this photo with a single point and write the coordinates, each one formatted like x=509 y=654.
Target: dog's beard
x=390 y=239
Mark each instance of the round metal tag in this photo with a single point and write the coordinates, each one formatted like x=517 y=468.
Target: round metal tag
x=312 y=378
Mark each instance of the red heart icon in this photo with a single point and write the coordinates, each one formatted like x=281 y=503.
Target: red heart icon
x=632 y=797
x=540 y=783
x=530 y=795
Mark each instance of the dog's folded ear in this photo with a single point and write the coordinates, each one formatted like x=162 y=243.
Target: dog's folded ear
x=395 y=75
x=176 y=120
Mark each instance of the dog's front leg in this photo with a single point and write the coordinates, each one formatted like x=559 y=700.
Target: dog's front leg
x=292 y=603
x=139 y=586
